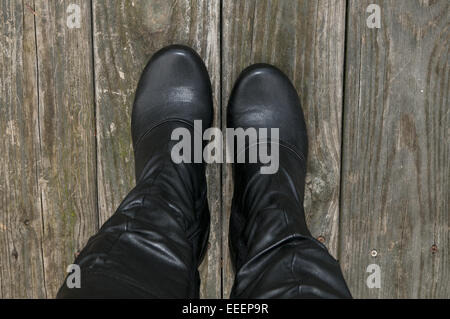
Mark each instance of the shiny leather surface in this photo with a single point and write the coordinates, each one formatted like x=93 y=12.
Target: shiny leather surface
x=272 y=249
x=152 y=245
x=175 y=87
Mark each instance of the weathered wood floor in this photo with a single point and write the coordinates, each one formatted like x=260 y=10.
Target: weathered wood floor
x=376 y=103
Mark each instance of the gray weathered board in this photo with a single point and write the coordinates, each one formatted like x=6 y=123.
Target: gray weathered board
x=48 y=192
x=396 y=151
x=21 y=260
x=376 y=103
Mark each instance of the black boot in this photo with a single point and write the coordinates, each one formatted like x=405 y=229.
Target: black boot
x=271 y=247
x=151 y=247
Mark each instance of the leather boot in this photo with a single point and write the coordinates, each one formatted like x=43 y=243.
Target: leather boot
x=151 y=247
x=271 y=247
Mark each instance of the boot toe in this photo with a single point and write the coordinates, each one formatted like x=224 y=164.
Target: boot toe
x=263 y=97
x=174 y=86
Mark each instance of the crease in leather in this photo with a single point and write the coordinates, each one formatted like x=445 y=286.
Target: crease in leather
x=164 y=121
x=202 y=201
x=281 y=242
x=247 y=211
x=139 y=199
x=118 y=277
x=281 y=143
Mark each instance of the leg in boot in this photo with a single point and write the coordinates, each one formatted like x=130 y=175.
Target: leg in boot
x=151 y=247
x=272 y=249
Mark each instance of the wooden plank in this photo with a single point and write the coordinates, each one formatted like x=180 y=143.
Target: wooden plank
x=396 y=168
x=66 y=135
x=21 y=262
x=126 y=34
x=305 y=39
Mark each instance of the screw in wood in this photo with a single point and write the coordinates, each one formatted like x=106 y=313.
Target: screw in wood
x=374 y=253
x=434 y=249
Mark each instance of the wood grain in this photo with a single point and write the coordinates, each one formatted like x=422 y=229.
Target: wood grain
x=126 y=34
x=21 y=262
x=305 y=39
x=396 y=165
x=394 y=193
x=66 y=136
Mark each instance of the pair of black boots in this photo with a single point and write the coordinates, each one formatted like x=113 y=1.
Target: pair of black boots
x=151 y=247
